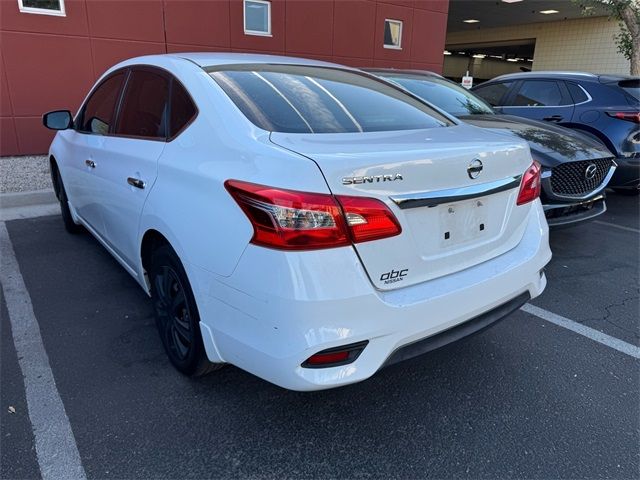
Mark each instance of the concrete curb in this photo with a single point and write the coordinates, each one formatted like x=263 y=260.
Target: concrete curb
x=24 y=199
x=21 y=205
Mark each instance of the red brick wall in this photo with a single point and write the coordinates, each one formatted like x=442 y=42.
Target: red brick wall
x=50 y=62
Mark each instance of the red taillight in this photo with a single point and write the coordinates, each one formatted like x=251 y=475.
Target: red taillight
x=530 y=185
x=368 y=219
x=292 y=220
x=628 y=116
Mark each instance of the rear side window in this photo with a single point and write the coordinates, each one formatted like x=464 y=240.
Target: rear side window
x=182 y=109
x=309 y=99
x=97 y=114
x=493 y=93
x=539 y=93
x=577 y=94
x=144 y=106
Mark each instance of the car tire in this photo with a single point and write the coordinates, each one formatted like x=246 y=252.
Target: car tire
x=177 y=315
x=69 y=225
x=631 y=192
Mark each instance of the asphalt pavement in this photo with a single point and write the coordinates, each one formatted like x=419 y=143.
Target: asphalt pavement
x=525 y=399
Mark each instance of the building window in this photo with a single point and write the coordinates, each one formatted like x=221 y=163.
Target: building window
x=257 y=17
x=43 y=7
x=393 y=34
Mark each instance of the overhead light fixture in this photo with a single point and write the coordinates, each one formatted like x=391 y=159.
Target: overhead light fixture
x=447 y=52
x=548 y=12
x=473 y=20
x=479 y=55
x=511 y=1
x=512 y=59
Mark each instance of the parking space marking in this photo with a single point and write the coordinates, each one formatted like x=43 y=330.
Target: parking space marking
x=621 y=227
x=56 y=448
x=583 y=330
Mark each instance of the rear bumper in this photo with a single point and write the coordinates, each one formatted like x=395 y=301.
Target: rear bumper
x=463 y=330
x=277 y=309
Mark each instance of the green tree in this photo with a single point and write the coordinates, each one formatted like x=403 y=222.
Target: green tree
x=627 y=13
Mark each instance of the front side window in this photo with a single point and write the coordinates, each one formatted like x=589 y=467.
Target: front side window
x=443 y=94
x=257 y=17
x=539 y=93
x=99 y=110
x=493 y=93
x=144 y=106
x=308 y=99
x=393 y=34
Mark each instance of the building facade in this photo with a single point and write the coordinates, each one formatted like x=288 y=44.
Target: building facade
x=52 y=51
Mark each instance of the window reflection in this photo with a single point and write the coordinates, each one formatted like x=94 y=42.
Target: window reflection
x=302 y=99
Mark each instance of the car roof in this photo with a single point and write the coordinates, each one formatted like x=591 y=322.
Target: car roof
x=212 y=59
x=404 y=71
x=563 y=75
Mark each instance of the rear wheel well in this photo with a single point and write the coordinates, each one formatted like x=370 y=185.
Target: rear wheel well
x=151 y=240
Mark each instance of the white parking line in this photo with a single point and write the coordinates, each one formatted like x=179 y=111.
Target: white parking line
x=583 y=330
x=56 y=447
x=621 y=227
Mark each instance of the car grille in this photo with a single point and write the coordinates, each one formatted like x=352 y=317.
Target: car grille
x=570 y=178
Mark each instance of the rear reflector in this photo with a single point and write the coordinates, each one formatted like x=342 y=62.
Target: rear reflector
x=531 y=184
x=334 y=357
x=293 y=220
x=628 y=116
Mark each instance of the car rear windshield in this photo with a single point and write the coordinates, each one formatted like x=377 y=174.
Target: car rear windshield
x=632 y=87
x=442 y=93
x=313 y=99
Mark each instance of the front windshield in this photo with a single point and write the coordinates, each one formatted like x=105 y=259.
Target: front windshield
x=313 y=99
x=448 y=96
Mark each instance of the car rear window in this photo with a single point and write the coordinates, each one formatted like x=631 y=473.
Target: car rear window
x=311 y=99
x=631 y=87
x=442 y=93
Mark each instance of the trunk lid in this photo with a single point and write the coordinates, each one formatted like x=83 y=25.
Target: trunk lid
x=411 y=170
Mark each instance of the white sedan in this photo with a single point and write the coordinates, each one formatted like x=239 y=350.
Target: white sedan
x=302 y=220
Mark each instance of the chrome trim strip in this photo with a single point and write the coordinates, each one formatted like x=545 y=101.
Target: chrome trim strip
x=434 y=198
x=546 y=185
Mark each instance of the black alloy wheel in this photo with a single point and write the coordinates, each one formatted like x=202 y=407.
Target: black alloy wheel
x=177 y=315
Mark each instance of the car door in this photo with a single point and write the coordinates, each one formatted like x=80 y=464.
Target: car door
x=81 y=170
x=540 y=99
x=138 y=141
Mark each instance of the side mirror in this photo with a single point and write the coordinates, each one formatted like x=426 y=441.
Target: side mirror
x=58 y=120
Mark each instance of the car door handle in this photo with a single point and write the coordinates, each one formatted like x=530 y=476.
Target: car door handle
x=135 y=182
x=554 y=118
x=90 y=163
